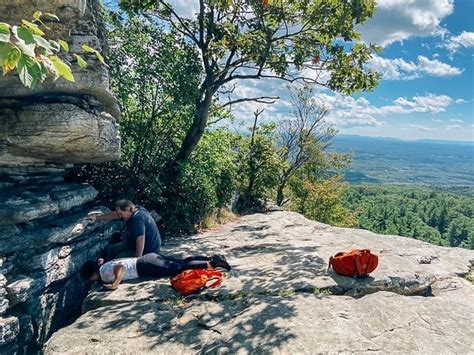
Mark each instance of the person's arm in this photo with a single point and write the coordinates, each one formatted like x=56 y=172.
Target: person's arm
x=119 y=273
x=139 y=246
x=103 y=217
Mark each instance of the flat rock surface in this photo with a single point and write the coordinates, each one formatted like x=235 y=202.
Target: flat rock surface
x=280 y=298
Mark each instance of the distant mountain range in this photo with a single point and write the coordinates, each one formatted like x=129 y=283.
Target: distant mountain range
x=396 y=161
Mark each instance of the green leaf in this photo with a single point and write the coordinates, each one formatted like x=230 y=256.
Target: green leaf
x=32 y=27
x=64 y=45
x=99 y=56
x=5 y=48
x=56 y=46
x=88 y=49
x=4 y=32
x=38 y=71
x=49 y=67
x=43 y=24
x=63 y=69
x=37 y=15
x=25 y=34
x=24 y=73
x=80 y=61
x=11 y=60
x=40 y=41
x=51 y=16
x=25 y=41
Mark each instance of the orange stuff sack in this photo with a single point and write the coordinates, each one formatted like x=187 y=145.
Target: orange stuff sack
x=193 y=281
x=357 y=262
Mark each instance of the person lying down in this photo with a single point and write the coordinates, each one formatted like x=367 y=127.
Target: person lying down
x=113 y=272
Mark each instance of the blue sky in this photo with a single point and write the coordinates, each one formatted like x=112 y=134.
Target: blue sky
x=427 y=68
x=430 y=64
x=427 y=90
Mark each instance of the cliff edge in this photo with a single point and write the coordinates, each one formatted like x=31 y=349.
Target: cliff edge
x=280 y=298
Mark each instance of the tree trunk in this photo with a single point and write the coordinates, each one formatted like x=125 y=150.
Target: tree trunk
x=280 y=195
x=195 y=132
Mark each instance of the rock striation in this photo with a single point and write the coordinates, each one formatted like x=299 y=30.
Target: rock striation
x=44 y=239
x=280 y=298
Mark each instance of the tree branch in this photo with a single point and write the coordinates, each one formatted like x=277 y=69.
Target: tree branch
x=261 y=99
x=188 y=32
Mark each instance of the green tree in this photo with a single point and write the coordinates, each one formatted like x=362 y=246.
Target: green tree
x=154 y=75
x=418 y=212
x=243 y=40
x=321 y=200
x=303 y=138
x=259 y=167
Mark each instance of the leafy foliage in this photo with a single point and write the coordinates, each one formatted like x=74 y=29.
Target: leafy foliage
x=154 y=75
x=321 y=200
x=433 y=215
x=316 y=190
x=24 y=49
x=253 y=39
x=206 y=185
x=303 y=138
x=259 y=167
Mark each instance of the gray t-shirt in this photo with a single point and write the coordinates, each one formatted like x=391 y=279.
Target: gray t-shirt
x=142 y=223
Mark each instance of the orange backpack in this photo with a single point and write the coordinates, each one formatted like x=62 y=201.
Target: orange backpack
x=193 y=281
x=357 y=262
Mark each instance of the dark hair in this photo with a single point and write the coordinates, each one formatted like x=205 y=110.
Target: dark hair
x=89 y=268
x=124 y=204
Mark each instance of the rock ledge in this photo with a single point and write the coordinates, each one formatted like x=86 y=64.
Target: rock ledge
x=279 y=298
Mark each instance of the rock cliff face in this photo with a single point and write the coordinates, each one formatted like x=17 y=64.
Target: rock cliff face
x=279 y=298
x=43 y=239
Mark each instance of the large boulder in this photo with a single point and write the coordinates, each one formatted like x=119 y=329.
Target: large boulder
x=60 y=122
x=280 y=298
x=60 y=132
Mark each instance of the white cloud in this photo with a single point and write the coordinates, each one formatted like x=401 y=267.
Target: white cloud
x=399 y=69
x=436 y=120
x=465 y=39
x=461 y=101
x=455 y=120
x=437 y=68
x=398 y=20
x=454 y=126
x=346 y=111
x=186 y=8
x=420 y=127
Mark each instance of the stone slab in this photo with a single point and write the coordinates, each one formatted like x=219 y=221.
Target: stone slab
x=60 y=133
x=283 y=251
x=279 y=298
x=15 y=10
x=63 y=230
x=378 y=323
x=26 y=204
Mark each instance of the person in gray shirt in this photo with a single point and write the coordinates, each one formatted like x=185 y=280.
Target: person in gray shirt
x=143 y=236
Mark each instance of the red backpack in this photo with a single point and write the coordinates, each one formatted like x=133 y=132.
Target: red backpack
x=357 y=262
x=193 y=281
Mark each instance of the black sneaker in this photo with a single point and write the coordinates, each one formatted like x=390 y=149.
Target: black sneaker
x=219 y=261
